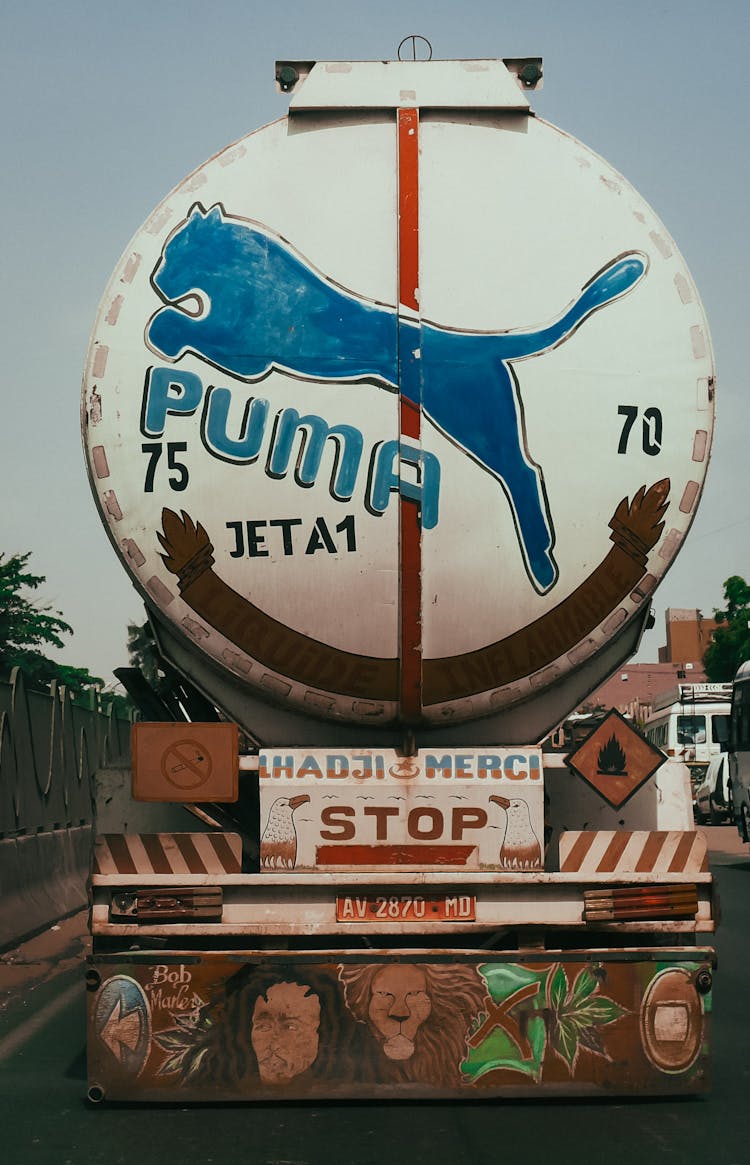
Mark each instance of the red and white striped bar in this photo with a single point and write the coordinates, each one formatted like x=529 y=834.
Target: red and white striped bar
x=167 y=853
x=638 y=852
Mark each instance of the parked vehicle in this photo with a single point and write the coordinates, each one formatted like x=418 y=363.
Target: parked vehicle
x=713 y=795
x=739 y=755
x=691 y=722
x=396 y=412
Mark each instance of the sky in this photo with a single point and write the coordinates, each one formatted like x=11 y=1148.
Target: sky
x=104 y=107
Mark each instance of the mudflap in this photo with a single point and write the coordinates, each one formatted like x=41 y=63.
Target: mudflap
x=217 y=1026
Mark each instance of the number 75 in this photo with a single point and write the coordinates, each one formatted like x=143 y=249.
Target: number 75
x=154 y=451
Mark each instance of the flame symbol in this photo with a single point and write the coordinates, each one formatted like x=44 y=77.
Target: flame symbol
x=612 y=762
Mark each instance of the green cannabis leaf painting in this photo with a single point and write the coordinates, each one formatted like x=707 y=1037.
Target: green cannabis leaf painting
x=534 y=1010
x=185 y=1044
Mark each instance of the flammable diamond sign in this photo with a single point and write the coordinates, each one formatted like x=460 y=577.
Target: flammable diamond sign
x=615 y=759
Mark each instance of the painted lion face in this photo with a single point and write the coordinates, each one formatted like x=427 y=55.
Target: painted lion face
x=399 y=1005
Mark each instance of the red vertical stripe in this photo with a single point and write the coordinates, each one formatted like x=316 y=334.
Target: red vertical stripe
x=408 y=207
x=409 y=418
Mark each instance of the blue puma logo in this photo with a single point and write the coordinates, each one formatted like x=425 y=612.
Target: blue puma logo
x=262 y=306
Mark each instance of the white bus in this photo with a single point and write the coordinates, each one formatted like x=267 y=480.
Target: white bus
x=739 y=751
x=691 y=722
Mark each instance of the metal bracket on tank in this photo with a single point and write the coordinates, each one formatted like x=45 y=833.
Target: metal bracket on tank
x=498 y=85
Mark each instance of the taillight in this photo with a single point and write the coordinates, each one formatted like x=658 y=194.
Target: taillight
x=631 y=903
x=170 y=904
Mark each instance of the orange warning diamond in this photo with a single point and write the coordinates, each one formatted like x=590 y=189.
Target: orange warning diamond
x=615 y=759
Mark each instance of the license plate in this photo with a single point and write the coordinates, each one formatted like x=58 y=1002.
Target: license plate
x=406 y=908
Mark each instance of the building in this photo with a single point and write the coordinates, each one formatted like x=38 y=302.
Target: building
x=688 y=635
x=633 y=687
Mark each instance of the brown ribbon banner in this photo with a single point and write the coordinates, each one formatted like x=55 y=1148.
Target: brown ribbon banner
x=636 y=528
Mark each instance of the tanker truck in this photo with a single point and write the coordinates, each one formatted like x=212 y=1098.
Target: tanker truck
x=396 y=412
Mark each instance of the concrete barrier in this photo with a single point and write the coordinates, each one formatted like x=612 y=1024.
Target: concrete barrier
x=43 y=877
x=50 y=748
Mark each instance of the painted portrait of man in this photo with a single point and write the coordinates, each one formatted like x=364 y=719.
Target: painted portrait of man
x=284 y=1028
x=285 y=1031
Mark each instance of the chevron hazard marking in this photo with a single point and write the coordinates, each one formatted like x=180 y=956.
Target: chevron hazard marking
x=639 y=852
x=168 y=853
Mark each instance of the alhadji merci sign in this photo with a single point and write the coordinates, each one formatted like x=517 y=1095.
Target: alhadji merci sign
x=377 y=810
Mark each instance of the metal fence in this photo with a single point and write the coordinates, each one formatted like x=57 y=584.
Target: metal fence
x=50 y=747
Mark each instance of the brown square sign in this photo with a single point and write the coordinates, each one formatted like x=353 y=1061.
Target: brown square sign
x=185 y=762
x=615 y=759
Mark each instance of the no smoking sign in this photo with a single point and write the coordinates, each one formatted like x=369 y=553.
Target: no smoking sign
x=185 y=762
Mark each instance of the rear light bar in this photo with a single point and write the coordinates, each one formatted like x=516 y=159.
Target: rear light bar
x=171 y=904
x=631 y=903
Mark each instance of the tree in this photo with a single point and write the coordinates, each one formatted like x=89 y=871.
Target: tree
x=143 y=653
x=26 y=628
x=730 y=645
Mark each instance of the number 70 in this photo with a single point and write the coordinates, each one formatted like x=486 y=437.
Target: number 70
x=651 y=432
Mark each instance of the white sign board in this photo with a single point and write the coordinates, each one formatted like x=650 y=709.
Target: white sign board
x=377 y=810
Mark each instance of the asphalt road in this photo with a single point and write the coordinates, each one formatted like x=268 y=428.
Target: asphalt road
x=45 y=1119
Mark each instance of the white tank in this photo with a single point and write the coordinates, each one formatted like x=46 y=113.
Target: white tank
x=398 y=409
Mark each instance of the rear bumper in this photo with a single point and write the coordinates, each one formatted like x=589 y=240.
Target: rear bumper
x=289 y=905
x=189 y=1026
